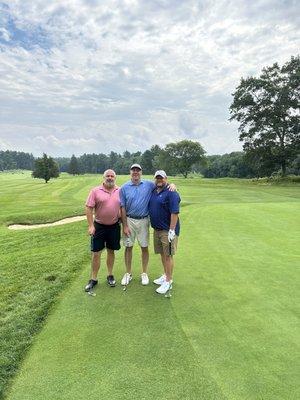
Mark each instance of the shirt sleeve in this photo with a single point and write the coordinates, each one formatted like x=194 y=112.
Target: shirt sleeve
x=174 y=200
x=151 y=184
x=90 y=201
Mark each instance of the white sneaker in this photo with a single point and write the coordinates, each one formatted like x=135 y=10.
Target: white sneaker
x=126 y=279
x=164 y=287
x=160 y=280
x=144 y=278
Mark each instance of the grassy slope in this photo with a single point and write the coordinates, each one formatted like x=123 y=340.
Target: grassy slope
x=232 y=319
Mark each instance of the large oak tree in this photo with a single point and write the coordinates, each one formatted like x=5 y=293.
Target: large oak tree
x=267 y=109
x=181 y=156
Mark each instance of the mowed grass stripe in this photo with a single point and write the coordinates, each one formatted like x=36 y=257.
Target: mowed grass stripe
x=117 y=345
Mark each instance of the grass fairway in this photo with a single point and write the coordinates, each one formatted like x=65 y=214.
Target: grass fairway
x=230 y=331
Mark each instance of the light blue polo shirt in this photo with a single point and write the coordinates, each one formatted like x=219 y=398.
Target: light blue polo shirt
x=135 y=198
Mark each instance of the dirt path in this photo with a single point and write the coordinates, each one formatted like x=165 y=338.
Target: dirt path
x=60 y=222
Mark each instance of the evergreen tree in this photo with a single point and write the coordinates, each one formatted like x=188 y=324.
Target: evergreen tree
x=45 y=168
x=73 y=166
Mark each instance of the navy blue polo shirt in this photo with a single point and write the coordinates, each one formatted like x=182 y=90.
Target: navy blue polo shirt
x=161 y=206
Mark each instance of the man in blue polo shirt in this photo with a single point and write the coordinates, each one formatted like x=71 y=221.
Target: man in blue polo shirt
x=163 y=211
x=134 y=196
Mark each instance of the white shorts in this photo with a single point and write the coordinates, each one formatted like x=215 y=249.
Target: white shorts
x=139 y=229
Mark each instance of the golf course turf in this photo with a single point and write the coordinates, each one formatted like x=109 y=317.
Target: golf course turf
x=230 y=330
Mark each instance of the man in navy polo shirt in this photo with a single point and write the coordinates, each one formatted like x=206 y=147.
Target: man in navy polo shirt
x=163 y=211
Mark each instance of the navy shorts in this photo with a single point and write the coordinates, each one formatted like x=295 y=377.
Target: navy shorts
x=106 y=236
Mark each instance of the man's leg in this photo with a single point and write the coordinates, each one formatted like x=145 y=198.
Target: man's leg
x=112 y=238
x=97 y=245
x=143 y=239
x=145 y=259
x=110 y=261
x=95 y=265
x=166 y=285
x=128 y=259
x=129 y=242
x=158 y=249
x=168 y=264
x=96 y=256
x=163 y=261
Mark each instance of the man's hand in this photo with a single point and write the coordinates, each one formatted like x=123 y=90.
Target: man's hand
x=91 y=230
x=172 y=187
x=171 y=235
x=126 y=231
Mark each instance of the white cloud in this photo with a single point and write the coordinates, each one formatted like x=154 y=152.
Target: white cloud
x=4 y=34
x=95 y=76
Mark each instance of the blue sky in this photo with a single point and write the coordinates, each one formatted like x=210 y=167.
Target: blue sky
x=98 y=76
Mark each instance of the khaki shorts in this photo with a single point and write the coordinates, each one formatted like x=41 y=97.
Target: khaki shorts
x=139 y=229
x=162 y=245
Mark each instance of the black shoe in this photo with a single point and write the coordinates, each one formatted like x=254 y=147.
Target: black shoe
x=90 y=285
x=111 y=281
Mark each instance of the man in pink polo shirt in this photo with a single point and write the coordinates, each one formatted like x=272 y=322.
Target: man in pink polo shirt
x=103 y=215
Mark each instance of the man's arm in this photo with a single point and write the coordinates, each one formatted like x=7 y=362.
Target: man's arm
x=90 y=220
x=174 y=200
x=171 y=186
x=173 y=222
x=126 y=229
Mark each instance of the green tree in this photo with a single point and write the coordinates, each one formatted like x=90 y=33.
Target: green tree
x=45 y=168
x=113 y=159
x=146 y=162
x=16 y=160
x=182 y=155
x=295 y=166
x=267 y=109
x=73 y=166
x=234 y=165
x=63 y=163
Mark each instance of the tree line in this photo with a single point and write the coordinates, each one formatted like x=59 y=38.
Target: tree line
x=176 y=158
x=236 y=164
x=10 y=160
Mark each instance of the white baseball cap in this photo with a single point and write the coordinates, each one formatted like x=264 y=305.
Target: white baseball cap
x=136 y=166
x=161 y=173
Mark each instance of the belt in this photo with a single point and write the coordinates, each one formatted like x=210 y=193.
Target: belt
x=136 y=217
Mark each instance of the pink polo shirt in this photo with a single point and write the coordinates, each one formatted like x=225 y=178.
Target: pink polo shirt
x=105 y=203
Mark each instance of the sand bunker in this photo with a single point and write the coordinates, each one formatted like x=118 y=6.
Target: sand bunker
x=60 y=222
